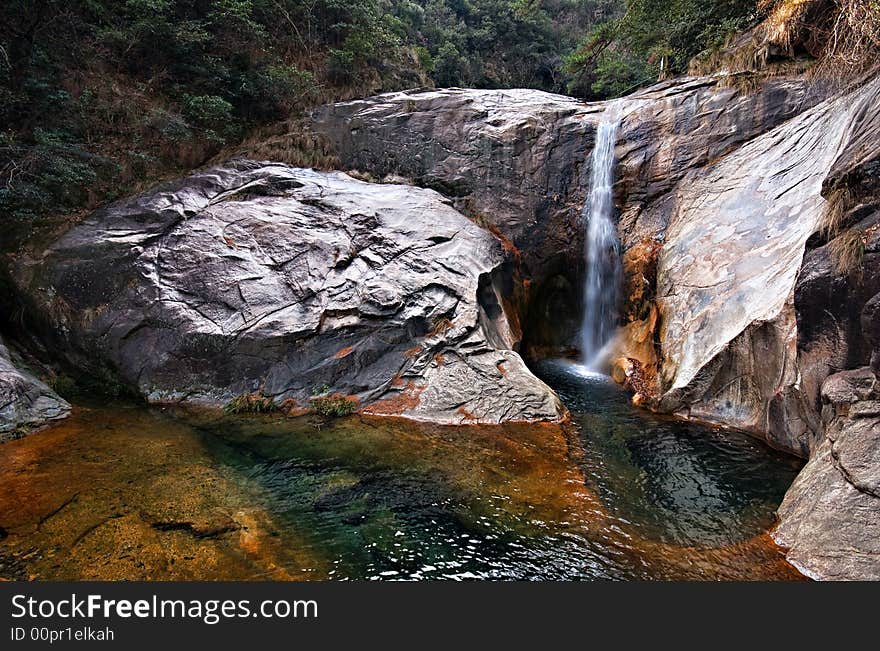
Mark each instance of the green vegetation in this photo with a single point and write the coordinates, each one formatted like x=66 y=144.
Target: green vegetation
x=64 y=386
x=652 y=37
x=102 y=98
x=333 y=406
x=251 y=403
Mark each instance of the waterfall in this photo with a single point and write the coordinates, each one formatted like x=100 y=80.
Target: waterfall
x=602 y=249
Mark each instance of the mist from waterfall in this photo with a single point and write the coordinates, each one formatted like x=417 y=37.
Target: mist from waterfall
x=602 y=248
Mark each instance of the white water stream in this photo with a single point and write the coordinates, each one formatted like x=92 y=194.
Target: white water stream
x=602 y=248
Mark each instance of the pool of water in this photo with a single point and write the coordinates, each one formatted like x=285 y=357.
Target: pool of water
x=143 y=493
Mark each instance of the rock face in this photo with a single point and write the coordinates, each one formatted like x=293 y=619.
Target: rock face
x=519 y=162
x=732 y=236
x=25 y=401
x=744 y=288
x=830 y=518
x=515 y=161
x=260 y=277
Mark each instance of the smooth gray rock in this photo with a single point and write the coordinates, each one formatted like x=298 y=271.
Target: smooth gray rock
x=730 y=259
x=513 y=158
x=515 y=161
x=678 y=128
x=262 y=277
x=25 y=402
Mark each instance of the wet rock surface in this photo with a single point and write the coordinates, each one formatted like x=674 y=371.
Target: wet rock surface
x=264 y=278
x=730 y=260
x=515 y=161
x=25 y=401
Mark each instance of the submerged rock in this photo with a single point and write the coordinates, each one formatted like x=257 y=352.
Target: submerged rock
x=258 y=277
x=25 y=401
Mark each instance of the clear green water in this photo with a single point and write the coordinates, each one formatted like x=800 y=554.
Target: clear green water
x=667 y=491
x=127 y=492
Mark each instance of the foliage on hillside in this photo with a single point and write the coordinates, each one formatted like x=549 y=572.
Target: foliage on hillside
x=652 y=37
x=99 y=98
x=505 y=43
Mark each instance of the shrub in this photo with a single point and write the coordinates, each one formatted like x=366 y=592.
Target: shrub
x=847 y=251
x=251 y=403
x=213 y=114
x=334 y=406
x=274 y=91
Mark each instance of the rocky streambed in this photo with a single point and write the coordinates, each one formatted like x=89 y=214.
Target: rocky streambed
x=415 y=285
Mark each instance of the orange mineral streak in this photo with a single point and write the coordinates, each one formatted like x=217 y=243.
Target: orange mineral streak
x=412 y=352
x=343 y=352
x=637 y=361
x=399 y=403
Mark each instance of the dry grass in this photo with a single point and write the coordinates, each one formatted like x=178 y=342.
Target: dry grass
x=334 y=406
x=847 y=251
x=840 y=200
x=290 y=142
x=833 y=41
x=844 y=35
x=441 y=326
x=251 y=403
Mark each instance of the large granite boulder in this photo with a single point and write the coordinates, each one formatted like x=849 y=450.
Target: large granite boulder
x=258 y=277
x=25 y=402
x=830 y=518
x=514 y=161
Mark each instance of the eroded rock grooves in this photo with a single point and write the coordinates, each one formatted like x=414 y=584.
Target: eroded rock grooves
x=264 y=278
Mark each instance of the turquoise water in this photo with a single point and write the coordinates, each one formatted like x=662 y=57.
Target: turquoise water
x=636 y=496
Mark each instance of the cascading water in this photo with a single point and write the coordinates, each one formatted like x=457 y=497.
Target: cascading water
x=602 y=249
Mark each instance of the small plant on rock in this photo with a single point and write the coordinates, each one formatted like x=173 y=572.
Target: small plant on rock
x=334 y=406
x=251 y=403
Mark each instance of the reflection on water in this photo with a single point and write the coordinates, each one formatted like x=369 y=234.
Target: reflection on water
x=676 y=481
x=140 y=493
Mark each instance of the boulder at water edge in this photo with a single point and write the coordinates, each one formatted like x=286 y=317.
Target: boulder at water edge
x=258 y=277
